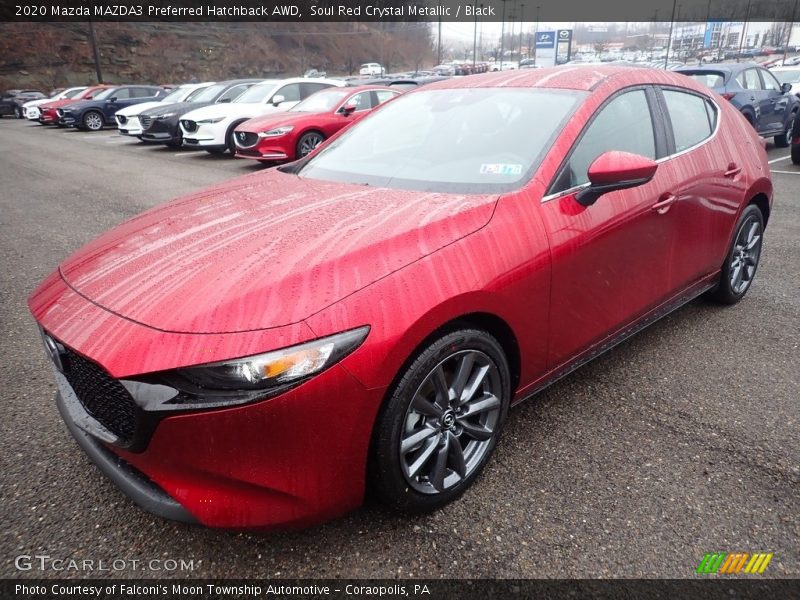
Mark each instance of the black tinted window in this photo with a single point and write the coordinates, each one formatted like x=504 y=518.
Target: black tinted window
x=623 y=124
x=693 y=118
x=310 y=88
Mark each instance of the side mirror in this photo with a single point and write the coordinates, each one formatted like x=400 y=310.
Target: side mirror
x=277 y=99
x=224 y=101
x=786 y=88
x=613 y=171
x=114 y=99
x=348 y=109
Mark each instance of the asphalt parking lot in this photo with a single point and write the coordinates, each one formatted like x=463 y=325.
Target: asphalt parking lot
x=681 y=441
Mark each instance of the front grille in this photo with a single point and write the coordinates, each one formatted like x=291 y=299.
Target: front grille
x=122 y=119
x=103 y=397
x=246 y=139
x=145 y=121
x=246 y=152
x=189 y=126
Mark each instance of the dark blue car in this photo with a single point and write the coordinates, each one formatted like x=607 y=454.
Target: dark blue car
x=98 y=112
x=769 y=106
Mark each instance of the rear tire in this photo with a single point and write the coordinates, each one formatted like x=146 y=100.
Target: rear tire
x=783 y=140
x=741 y=262
x=438 y=429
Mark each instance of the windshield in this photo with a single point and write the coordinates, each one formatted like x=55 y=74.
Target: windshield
x=321 y=101
x=105 y=94
x=195 y=94
x=788 y=76
x=257 y=94
x=210 y=93
x=479 y=140
x=175 y=95
x=710 y=80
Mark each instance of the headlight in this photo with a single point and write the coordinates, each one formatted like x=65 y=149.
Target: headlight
x=166 y=116
x=242 y=380
x=276 y=132
x=214 y=120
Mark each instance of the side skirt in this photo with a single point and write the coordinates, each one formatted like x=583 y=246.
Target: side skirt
x=603 y=346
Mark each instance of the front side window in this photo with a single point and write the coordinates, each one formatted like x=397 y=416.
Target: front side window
x=360 y=101
x=623 y=124
x=693 y=118
x=122 y=94
x=290 y=93
x=476 y=140
x=770 y=83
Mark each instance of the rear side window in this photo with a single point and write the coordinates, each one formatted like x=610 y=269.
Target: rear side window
x=693 y=118
x=623 y=124
x=384 y=95
x=749 y=80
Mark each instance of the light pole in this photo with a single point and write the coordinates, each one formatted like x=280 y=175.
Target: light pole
x=95 y=52
x=474 y=34
x=789 y=34
x=744 y=30
x=535 y=34
x=671 y=25
x=502 y=34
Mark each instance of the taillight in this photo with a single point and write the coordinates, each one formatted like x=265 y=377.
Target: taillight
x=728 y=95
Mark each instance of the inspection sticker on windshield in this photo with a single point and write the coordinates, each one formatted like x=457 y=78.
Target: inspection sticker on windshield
x=501 y=169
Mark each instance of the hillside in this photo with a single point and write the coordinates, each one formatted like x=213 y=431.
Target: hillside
x=51 y=55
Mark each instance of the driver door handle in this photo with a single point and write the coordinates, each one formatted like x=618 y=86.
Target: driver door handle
x=733 y=170
x=664 y=203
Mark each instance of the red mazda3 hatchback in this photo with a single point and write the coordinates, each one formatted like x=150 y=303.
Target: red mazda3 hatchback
x=259 y=353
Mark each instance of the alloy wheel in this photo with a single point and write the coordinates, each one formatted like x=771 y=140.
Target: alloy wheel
x=451 y=422
x=93 y=121
x=308 y=143
x=746 y=252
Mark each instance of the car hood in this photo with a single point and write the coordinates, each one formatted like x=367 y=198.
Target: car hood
x=267 y=122
x=39 y=102
x=264 y=250
x=81 y=104
x=233 y=110
x=137 y=109
x=176 y=107
x=58 y=103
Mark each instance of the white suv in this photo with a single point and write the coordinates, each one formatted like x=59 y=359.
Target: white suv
x=128 y=118
x=372 y=70
x=211 y=127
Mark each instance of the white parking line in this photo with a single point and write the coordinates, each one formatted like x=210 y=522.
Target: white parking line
x=775 y=160
x=786 y=172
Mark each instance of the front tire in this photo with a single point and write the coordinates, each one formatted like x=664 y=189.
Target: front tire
x=92 y=120
x=18 y=112
x=307 y=143
x=796 y=154
x=741 y=263
x=439 y=427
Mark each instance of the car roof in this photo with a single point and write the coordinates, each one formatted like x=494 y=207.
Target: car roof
x=569 y=77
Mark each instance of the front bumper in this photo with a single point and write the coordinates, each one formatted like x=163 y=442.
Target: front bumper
x=162 y=130
x=206 y=135
x=67 y=120
x=32 y=113
x=293 y=460
x=131 y=126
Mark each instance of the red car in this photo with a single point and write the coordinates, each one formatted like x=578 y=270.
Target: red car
x=295 y=133
x=258 y=353
x=47 y=111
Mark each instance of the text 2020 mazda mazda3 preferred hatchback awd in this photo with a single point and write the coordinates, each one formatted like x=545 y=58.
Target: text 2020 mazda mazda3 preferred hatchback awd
x=260 y=353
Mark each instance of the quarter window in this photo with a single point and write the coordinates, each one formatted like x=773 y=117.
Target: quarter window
x=693 y=118
x=623 y=124
x=770 y=83
x=384 y=95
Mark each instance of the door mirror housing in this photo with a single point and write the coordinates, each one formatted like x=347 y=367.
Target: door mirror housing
x=613 y=171
x=348 y=109
x=786 y=88
x=112 y=99
x=277 y=99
